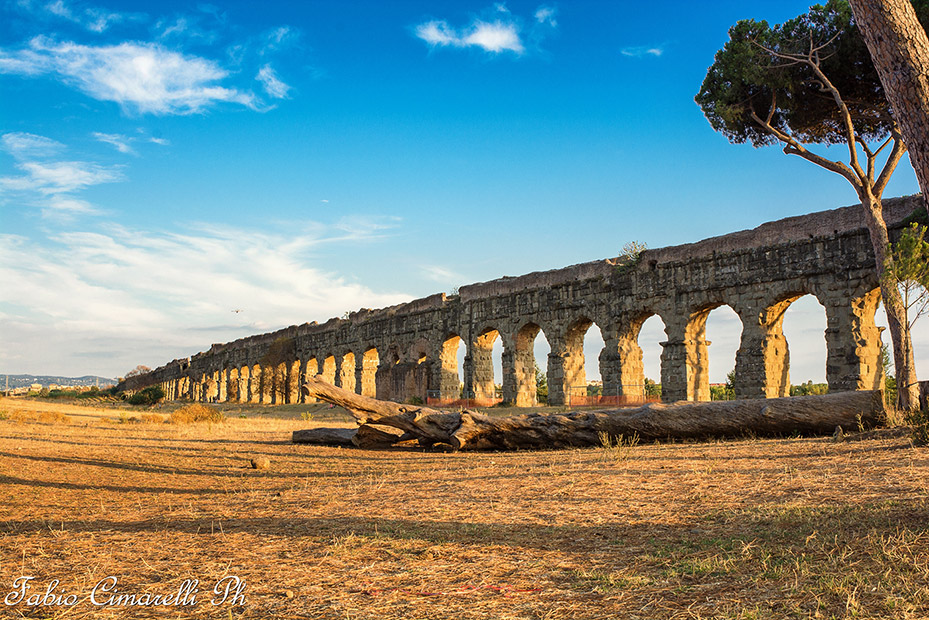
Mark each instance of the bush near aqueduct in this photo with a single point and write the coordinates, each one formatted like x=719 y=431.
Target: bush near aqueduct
x=149 y=396
x=196 y=413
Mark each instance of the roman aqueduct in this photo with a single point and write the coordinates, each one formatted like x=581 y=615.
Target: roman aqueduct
x=410 y=350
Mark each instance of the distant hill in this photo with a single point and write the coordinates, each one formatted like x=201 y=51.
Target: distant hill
x=27 y=380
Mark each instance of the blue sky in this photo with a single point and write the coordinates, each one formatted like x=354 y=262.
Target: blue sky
x=164 y=164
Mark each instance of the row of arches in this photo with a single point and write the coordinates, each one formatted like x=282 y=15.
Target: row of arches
x=500 y=362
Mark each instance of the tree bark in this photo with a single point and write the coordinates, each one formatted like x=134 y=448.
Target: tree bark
x=901 y=340
x=900 y=51
x=325 y=436
x=470 y=430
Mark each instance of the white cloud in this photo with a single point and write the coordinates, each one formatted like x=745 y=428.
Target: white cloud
x=60 y=9
x=59 y=177
x=117 y=141
x=68 y=205
x=26 y=145
x=145 y=297
x=47 y=184
x=160 y=141
x=495 y=37
x=642 y=51
x=168 y=29
x=496 y=31
x=144 y=77
x=271 y=83
x=92 y=18
x=277 y=39
x=491 y=37
x=546 y=15
x=437 y=33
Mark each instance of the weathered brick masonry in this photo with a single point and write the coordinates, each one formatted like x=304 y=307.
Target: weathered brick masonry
x=410 y=349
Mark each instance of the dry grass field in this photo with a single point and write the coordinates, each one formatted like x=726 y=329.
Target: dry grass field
x=789 y=528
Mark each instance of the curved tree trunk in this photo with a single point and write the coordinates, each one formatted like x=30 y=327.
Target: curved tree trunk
x=902 y=343
x=900 y=51
x=470 y=430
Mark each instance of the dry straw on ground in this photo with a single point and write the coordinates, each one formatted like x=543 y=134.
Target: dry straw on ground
x=791 y=528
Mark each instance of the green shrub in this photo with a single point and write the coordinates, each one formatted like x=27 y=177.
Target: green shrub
x=148 y=396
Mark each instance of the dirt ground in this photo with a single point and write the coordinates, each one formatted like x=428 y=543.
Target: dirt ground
x=786 y=528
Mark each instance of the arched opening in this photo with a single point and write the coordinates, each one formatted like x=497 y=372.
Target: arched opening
x=583 y=383
x=418 y=379
x=293 y=382
x=280 y=383
x=802 y=324
x=388 y=379
x=487 y=377
x=369 y=363
x=651 y=335
x=223 y=386
x=707 y=375
x=451 y=375
x=328 y=373
x=530 y=378
x=232 y=387
x=254 y=384
x=347 y=372
x=310 y=369
x=267 y=383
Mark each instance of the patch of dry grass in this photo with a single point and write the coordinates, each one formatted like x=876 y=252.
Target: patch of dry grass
x=793 y=528
x=195 y=412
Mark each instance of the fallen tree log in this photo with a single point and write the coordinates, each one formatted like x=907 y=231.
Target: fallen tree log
x=325 y=436
x=471 y=430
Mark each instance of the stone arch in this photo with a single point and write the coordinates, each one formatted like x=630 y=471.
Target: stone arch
x=763 y=359
x=418 y=380
x=622 y=361
x=254 y=384
x=853 y=339
x=368 y=379
x=293 y=382
x=388 y=370
x=244 y=372
x=310 y=369
x=696 y=348
x=482 y=373
x=329 y=369
x=574 y=371
x=519 y=379
x=451 y=380
x=346 y=377
x=232 y=389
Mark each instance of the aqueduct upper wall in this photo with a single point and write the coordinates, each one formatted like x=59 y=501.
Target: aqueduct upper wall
x=410 y=349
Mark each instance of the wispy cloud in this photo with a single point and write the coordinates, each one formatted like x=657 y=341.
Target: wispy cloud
x=94 y=19
x=117 y=141
x=491 y=37
x=59 y=177
x=442 y=275
x=141 y=77
x=496 y=31
x=364 y=227
x=271 y=83
x=277 y=39
x=134 y=292
x=546 y=15
x=48 y=184
x=26 y=145
x=643 y=51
